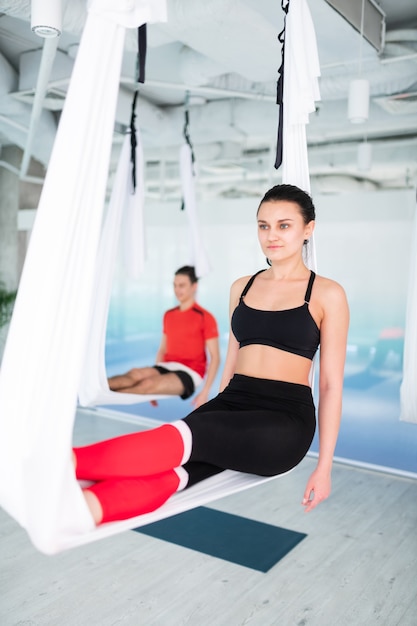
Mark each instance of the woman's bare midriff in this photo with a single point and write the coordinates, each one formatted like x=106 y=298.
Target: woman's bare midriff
x=266 y=362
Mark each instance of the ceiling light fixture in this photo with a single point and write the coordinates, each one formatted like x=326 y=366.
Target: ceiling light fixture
x=358 y=104
x=46 y=18
x=364 y=156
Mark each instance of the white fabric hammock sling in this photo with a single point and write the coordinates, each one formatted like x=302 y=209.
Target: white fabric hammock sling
x=125 y=208
x=124 y=220
x=408 y=395
x=48 y=336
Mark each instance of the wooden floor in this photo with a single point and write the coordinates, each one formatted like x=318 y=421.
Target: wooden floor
x=357 y=566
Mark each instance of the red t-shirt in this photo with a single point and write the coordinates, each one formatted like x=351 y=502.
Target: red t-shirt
x=186 y=335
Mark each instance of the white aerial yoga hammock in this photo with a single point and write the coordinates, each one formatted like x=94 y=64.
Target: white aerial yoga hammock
x=301 y=91
x=48 y=335
x=198 y=253
x=408 y=391
x=125 y=209
x=124 y=219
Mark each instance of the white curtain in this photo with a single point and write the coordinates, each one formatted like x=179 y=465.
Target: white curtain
x=408 y=393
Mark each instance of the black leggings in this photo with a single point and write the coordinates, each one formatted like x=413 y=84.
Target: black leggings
x=255 y=425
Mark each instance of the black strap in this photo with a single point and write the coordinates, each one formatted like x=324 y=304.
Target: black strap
x=186 y=135
x=306 y=297
x=249 y=284
x=280 y=90
x=133 y=140
x=142 y=47
x=309 y=287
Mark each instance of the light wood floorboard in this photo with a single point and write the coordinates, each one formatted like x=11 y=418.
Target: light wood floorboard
x=356 y=567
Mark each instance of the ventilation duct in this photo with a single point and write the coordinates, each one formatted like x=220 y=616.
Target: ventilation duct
x=8 y=80
x=399 y=104
x=374 y=19
x=236 y=25
x=196 y=69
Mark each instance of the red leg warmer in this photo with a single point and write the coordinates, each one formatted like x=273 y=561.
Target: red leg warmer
x=128 y=497
x=137 y=454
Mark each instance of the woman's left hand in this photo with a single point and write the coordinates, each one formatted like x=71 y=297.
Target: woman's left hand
x=200 y=399
x=318 y=489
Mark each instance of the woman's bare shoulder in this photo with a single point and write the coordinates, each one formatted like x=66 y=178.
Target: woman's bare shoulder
x=328 y=290
x=235 y=292
x=240 y=283
x=236 y=289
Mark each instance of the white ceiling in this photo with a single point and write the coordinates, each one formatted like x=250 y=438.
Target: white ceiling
x=222 y=57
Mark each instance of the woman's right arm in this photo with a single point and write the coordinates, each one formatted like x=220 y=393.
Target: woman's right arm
x=333 y=342
x=233 y=345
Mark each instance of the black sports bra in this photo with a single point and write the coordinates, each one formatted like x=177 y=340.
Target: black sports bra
x=292 y=330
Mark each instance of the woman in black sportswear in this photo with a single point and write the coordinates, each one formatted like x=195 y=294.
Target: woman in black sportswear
x=263 y=420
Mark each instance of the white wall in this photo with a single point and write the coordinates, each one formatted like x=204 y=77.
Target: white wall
x=362 y=240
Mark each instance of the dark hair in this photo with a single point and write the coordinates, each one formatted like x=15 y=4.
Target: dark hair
x=188 y=270
x=291 y=193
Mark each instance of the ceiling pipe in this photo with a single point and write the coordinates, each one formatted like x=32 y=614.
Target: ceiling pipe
x=15 y=116
x=13 y=124
x=48 y=55
x=207 y=90
x=331 y=87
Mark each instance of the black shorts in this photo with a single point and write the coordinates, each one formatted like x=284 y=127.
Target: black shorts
x=185 y=378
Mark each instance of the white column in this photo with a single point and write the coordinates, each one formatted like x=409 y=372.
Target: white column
x=9 y=207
